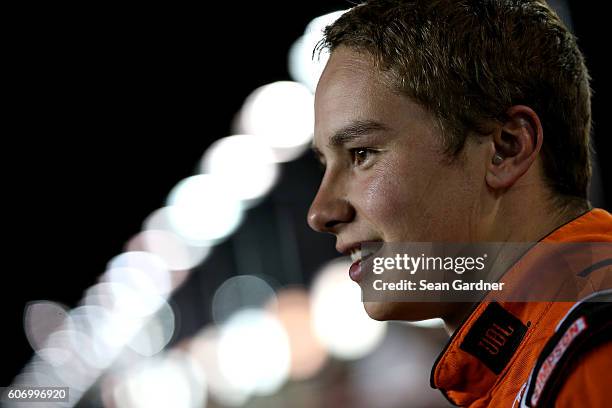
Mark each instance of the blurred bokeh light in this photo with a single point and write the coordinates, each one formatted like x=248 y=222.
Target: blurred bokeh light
x=244 y=163
x=204 y=348
x=240 y=292
x=203 y=209
x=293 y=310
x=340 y=320
x=171 y=380
x=254 y=353
x=304 y=65
x=282 y=113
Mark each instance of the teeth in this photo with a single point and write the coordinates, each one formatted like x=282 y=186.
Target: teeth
x=358 y=254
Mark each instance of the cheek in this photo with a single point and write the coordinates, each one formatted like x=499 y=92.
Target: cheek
x=385 y=196
x=403 y=206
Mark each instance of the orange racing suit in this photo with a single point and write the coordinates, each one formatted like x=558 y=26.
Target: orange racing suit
x=545 y=353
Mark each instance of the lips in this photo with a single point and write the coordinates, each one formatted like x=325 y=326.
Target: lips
x=358 y=257
x=355 y=271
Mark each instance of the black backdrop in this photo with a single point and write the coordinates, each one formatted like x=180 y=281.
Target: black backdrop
x=107 y=107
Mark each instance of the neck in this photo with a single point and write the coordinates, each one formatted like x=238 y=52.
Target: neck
x=531 y=224
x=514 y=218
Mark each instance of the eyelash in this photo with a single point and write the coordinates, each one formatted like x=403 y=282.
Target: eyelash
x=356 y=150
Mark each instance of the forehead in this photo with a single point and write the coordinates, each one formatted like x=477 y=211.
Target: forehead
x=347 y=85
x=347 y=65
x=351 y=90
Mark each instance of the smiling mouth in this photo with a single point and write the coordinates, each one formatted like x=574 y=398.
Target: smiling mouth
x=358 y=256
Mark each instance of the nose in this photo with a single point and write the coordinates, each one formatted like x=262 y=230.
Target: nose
x=329 y=209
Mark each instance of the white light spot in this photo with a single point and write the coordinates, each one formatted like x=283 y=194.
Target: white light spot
x=204 y=349
x=161 y=382
x=340 y=320
x=293 y=310
x=176 y=253
x=159 y=220
x=90 y=341
x=203 y=210
x=283 y=114
x=76 y=371
x=254 y=352
x=155 y=334
x=141 y=271
x=245 y=163
x=119 y=299
x=302 y=66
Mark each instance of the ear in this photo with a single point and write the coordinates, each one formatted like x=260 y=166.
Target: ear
x=515 y=147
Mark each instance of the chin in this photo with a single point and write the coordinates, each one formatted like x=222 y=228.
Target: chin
x=408 y=311
x=380 y=311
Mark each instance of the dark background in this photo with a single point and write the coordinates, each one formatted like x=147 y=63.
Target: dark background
x=106 y=108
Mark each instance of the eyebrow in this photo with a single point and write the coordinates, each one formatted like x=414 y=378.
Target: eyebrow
x=355 y=130
x=350 y=133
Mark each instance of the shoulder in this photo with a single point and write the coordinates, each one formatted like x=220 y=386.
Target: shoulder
x=573 y=368
x=588 y=382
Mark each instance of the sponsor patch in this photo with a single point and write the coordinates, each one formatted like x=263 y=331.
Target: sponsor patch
x=494 y=338
x=555 y=355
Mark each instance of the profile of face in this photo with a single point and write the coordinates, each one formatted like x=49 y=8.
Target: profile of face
x=387 y=177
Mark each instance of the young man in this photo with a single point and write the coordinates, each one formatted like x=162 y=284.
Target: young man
x=469 y=121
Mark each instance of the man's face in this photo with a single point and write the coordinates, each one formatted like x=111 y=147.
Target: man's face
x=386 y=176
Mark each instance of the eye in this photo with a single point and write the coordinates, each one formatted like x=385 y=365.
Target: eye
x=360 y=155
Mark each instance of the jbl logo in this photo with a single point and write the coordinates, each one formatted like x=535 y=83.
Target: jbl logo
x=494 y=337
